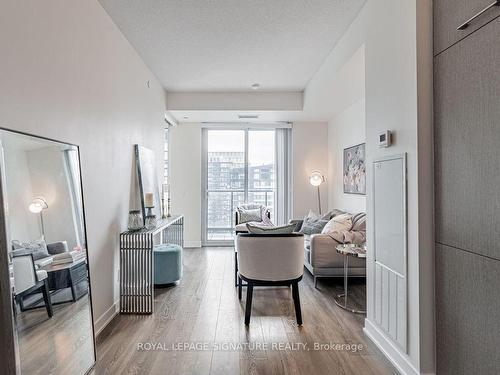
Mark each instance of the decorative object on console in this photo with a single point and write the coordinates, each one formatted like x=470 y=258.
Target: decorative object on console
x=165 y=201
x=135 y=221
x=316 y=179
x=37 y=206
x=355 y=170
x=148 y=181
x=150 y=222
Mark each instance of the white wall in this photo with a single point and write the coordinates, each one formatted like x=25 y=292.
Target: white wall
x=49 y=180
x=394 y=76
x=310 y=152
x=68 y=73
x=344 y=130
x=397 y=37
x=22 y=224
x=185 y=179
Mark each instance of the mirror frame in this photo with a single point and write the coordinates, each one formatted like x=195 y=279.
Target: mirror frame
x=9 y=343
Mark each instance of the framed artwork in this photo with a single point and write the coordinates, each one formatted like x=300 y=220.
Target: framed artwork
x=354 y=175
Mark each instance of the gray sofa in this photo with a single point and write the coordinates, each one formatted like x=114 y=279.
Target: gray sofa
x=322 y=260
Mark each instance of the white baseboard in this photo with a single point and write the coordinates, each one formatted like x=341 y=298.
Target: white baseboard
x=399 y=359
x=190 y=244
x=106 y=318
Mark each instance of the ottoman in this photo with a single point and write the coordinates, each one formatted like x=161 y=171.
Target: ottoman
x=168 y=264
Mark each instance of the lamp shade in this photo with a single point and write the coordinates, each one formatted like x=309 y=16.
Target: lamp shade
x=37 y=205
x=316 y=178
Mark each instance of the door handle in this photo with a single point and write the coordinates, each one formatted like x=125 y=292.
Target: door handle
x=466 y=24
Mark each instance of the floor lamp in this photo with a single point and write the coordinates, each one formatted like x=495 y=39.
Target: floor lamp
x=316 y=179
x=37 y=206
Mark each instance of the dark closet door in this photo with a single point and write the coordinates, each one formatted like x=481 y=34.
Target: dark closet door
x=467 y=203
x=467 y=140
x=449 y=14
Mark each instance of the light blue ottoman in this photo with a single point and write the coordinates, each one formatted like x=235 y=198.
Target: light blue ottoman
x=168 y=263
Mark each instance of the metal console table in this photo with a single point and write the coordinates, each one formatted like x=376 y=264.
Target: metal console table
x=137 y=263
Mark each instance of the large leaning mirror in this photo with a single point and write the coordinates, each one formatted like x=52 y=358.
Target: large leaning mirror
x=47 y=255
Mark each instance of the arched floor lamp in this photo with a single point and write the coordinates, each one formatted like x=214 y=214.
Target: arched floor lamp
x=316 y=179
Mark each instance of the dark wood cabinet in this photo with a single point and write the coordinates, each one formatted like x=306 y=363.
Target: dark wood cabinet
x=467 y=143
x=468 y=303
x=449 y=14
x=467 y=185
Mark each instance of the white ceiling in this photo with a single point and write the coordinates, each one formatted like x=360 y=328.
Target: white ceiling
x=227 y=45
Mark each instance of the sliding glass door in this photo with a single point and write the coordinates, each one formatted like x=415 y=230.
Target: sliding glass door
x=238 y=167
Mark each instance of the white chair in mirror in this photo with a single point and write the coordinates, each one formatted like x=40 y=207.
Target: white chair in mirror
x=28 y=280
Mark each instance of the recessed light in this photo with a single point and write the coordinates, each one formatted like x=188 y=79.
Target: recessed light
x=255 y=86
x=248 y=117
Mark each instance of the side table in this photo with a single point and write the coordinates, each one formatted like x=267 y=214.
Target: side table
x=348 y=250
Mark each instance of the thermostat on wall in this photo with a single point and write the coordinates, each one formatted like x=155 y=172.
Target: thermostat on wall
x=384 y=139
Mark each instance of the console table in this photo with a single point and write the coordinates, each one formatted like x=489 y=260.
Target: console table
x=137 y=263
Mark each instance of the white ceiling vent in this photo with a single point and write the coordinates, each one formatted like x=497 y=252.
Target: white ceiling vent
x=248 y=117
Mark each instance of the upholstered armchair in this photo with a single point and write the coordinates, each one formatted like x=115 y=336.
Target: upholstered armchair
x=270 y=260
x=240 y=222
x=27 y=279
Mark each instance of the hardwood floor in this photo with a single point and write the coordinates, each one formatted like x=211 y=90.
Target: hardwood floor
x=204 y=309
x=59 y=345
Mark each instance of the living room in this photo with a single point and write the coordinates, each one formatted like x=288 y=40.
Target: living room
x=249 y=187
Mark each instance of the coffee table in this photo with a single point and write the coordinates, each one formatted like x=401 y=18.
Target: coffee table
x=72 y=275
x=348 y=250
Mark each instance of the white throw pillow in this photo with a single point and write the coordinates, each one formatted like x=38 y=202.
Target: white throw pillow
x=339 y=224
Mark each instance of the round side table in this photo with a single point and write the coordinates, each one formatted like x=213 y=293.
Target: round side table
x=348 y=250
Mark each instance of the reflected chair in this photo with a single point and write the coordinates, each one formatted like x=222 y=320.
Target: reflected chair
x=27 y=279
x=270 y=260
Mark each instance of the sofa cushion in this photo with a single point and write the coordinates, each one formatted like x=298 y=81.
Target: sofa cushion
x=247 y=215
x=359 y=222
x=57 y=247
x=312 y=224
x=338 y=223
x=241 y=227
x=267 y=229
x=331 y=214
x=37 y=247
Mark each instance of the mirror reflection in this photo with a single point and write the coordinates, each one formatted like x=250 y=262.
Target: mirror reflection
x=48 y=262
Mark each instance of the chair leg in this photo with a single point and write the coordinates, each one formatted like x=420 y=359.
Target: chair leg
x=316 y=282
x=296 y=302
x=248 y=309
x=46 y=298
x=236 y=269
x=21 y=303
x=240 y=287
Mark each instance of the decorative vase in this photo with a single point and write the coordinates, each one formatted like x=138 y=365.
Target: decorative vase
x=135 y=222
x=150 y=222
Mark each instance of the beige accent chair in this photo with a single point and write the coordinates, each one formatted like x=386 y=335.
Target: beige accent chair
x=270 y=260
